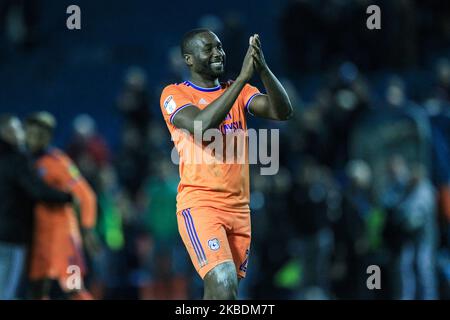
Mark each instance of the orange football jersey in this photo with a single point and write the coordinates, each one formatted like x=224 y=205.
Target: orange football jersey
x=205 y=183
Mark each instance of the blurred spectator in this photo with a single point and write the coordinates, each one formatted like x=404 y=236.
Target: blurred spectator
x=20 y=19
x=349 y=101
x=20 y=189
x=270 y=246
x=166 y=261
x=109 y=280
x=58 y=235
x=440 y=168
x=309 y=218
x=411 y=231
x=327 y=124
x=88 y=148
x=395 y=94
x=132 y=161
x=133 y=101
x=357 y=232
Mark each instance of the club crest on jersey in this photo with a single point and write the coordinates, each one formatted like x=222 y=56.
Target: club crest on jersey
x=214 y=244
x=170 y=105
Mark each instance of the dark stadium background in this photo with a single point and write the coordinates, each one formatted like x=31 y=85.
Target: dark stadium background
x=360 y=97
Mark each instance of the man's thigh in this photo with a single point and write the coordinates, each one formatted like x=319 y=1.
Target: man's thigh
x=203 y=231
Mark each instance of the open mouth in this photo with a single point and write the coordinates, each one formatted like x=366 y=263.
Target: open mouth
x=217 y=64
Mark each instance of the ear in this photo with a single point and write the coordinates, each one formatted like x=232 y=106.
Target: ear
x=188 y=60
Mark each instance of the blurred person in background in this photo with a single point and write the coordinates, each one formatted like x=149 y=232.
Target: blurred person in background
x=411 y=230
x=327 y=123
x=88 y=149
x=57 y=243
x=110 y=279
x=133 y=102
x=440 y=167
x=349 y=101
x=20 y=189
x=308 y=208
x=20 y=20
x=131 y=161
x=313 y=130
x=272 y=213
x=438 y=109
x=437 y=106
x=166 y=263
x=357 y=233
x=395 y=93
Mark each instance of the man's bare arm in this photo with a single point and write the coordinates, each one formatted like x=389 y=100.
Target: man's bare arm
x=275 y=104
x=213 y=115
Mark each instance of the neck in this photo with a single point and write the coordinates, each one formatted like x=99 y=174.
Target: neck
x=204 y=82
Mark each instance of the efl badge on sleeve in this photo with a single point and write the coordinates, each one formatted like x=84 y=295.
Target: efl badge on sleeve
x=170 y=105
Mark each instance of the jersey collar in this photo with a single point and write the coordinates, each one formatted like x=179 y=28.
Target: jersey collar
x=188 y=83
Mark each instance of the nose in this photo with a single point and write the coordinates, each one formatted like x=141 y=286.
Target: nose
x=217 y=53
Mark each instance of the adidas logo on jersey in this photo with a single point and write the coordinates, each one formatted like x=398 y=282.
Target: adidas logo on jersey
x=202 y=101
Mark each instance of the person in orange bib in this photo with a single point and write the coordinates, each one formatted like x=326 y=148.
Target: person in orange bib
x=56 y=252
x=213 y=194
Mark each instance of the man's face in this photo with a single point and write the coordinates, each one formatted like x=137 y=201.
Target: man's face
x=208 y=57
x=37 y=138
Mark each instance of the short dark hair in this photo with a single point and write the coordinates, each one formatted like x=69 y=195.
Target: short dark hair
x=42 y=119
x=188 y=37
